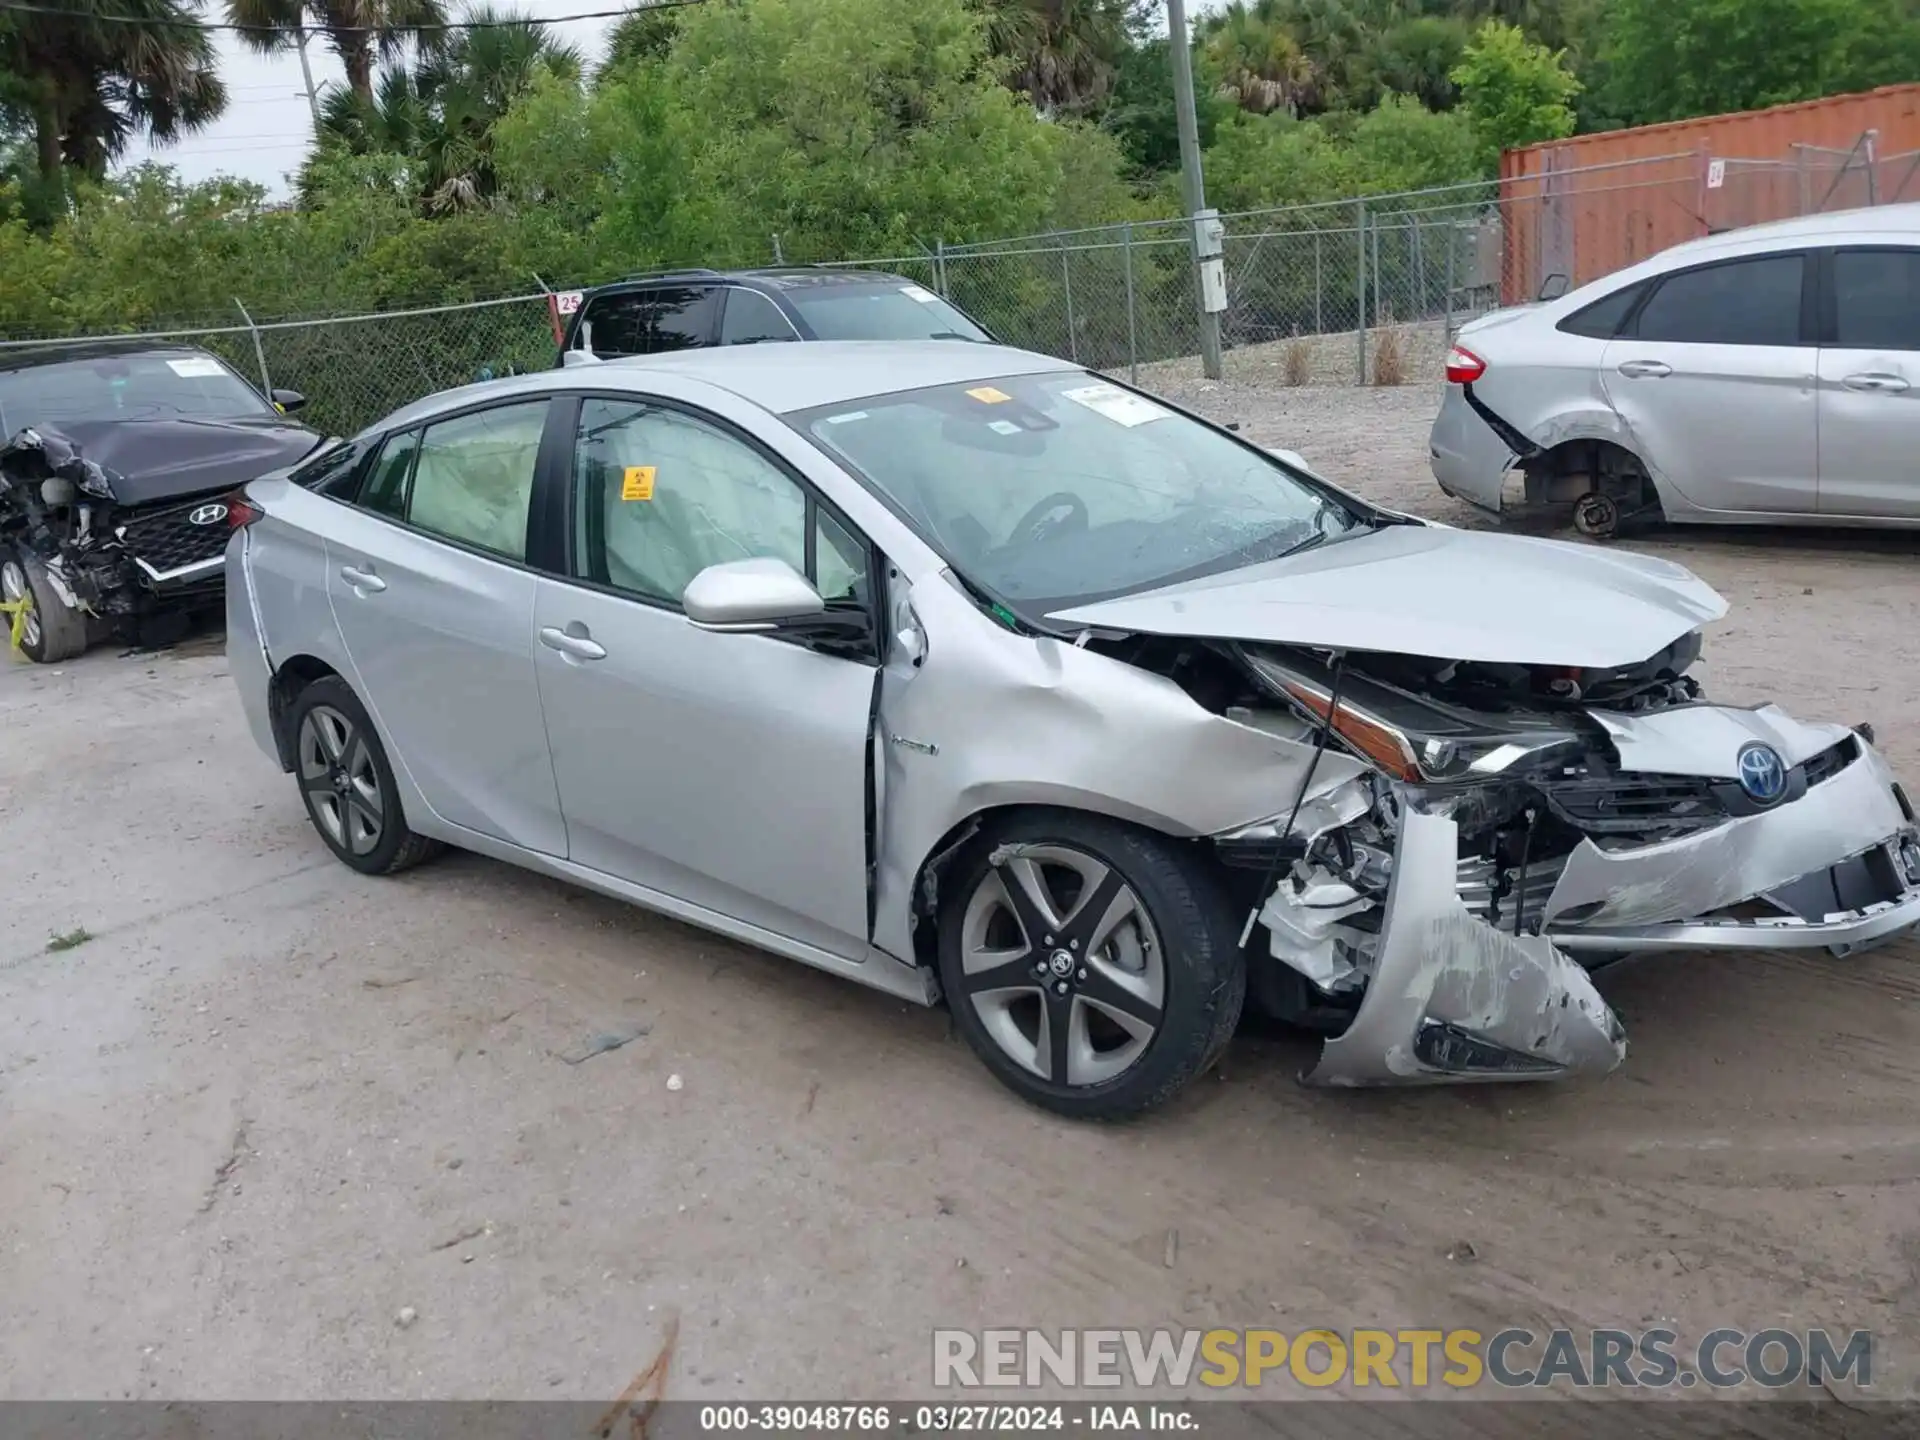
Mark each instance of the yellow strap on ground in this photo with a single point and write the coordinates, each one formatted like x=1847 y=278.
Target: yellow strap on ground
x=17 y=625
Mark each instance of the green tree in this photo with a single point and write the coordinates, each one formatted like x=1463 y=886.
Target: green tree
x=645 y=33
x=360 y=32
x=1061 y=54
x=1515 y=90
x=1670 y=59
x=1141 y=115
x=86 y=78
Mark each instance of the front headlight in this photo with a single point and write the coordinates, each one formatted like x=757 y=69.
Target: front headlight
x=1431 y=748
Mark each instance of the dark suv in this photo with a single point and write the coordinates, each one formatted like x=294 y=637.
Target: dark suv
x=685 y=309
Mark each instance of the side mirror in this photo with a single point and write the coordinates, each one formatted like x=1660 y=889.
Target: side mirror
x=287 y=401
x=757 y=594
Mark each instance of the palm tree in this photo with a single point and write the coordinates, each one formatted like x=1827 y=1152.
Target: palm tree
x=1061 y=53
x=87 y=78
x=643 y=33
x=441 y=112
x=1260 y=63
x=360 y=32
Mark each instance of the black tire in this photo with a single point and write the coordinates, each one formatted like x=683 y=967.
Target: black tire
x=1188 y=952
x=341 y=767
x=53 y=632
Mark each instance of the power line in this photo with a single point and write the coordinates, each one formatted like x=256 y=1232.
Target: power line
x=21 y=7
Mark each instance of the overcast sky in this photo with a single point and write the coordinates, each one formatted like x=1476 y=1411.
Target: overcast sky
x=267 y=127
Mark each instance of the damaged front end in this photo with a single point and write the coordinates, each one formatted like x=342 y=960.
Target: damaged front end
x=112 y=564
x=1522 y=825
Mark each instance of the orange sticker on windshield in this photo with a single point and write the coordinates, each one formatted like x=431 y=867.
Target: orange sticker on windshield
x=637 y=483
x=987 y=395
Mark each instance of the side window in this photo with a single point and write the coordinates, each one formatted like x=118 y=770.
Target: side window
x=473 y=477
x=1744 y=302
x=1876 y=299
x=651 y=321
x=751 y=317
x=1603 y=318
x=332 y=472
x=385 y=488
x=659 y=496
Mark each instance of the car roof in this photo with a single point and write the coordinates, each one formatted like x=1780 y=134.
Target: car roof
x=829 y=372
x=778 y=277
x=1868 y=220
x=28 y=357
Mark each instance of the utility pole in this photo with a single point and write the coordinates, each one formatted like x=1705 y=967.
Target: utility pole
x=1204 y=234
x=306 y=72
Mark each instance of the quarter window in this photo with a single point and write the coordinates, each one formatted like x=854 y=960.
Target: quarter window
x=1743 y=302
x=473 y=478
x=659 y=496
x=1876 y=299
x=1602 y=319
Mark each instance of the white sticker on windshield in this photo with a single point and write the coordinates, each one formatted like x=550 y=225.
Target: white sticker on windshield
x=196 y=367
x=843 y=419
x=1120 y=406
x=914 y=292
x=1004 y=427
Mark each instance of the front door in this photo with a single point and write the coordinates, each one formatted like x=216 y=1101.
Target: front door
x=1716 y=383
x=426 y=572
x=1870 y=385
x=731 y=771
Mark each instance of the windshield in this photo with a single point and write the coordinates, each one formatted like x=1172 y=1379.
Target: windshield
x=124 y=387
x=1049 y=490
x=839 y=311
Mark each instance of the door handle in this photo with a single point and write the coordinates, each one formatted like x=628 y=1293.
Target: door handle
x=364 y=580
x=1645 y=369
x=1876 y=382
x=574 y=647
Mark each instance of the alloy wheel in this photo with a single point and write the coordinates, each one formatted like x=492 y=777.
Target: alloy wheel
x=1062 y=965
x=341 y=784
x=14 y=589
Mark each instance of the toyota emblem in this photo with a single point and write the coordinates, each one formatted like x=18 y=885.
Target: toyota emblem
x=207 y=515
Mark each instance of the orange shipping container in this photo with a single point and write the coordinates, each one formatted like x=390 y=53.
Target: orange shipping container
x=1590 y=205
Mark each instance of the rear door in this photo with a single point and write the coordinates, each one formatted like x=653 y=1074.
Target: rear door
x=1870 y=383
x=428 y=577
x=1714 y=376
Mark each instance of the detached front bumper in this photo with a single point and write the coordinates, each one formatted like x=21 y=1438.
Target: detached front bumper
x=1452 y=999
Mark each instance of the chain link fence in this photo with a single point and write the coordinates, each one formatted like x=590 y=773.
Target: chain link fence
x=1360 y=291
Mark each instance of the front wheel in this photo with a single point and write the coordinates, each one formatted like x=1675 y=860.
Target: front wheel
x=347 y=783
x=42 y=626
x=1094 y=967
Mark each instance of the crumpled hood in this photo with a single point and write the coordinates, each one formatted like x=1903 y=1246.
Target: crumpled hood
x=1437 y=592
x=161 y=459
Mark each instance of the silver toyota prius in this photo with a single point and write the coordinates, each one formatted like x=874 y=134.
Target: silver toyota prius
x=968 y=674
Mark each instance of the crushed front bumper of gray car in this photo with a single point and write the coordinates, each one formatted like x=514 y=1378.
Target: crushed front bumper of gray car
x=1451 y=993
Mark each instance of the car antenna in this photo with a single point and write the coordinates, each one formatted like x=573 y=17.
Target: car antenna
x=1299 y=797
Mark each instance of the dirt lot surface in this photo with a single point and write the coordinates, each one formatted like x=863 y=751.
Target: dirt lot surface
x=276 y=1130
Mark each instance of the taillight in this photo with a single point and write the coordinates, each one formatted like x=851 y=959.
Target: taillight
x=1463 y=366
x=240 y=512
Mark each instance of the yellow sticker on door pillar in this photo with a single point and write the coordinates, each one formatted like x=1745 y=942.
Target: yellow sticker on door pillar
x=637 y=483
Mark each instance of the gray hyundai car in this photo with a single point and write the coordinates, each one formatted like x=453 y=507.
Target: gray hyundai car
x=968 y=674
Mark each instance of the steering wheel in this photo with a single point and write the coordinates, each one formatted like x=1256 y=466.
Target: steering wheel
x=1038 y=521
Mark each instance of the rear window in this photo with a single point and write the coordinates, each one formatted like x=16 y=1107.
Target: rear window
x=880 y=312
x=125 y=387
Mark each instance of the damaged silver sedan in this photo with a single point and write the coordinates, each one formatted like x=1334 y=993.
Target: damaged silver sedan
x=972 y=676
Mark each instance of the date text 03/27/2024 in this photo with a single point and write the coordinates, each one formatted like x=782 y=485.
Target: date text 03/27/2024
x=936 y=1419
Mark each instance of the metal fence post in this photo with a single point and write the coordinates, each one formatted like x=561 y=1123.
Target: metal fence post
x=1374 y=230
x=1319 y=325
x=1133 y=345
x=1419 y=269
x=940 y=267
x=259 y=351
x=1453 y=244
x=1066 y=286
x=1360 y=229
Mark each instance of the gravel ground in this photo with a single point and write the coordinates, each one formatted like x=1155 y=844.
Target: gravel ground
x=276 y=1130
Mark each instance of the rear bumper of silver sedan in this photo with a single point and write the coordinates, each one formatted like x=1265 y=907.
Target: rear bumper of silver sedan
x=1453 y=999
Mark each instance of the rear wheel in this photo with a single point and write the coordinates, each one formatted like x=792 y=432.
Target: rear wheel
x=347 y=783
x=1095 y=968
x=46 y=629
